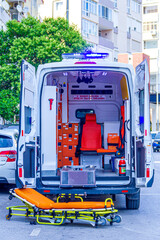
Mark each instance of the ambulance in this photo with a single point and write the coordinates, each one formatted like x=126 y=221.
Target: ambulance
x=85 y=128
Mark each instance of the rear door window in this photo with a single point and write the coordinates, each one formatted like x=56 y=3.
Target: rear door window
x=5 y=141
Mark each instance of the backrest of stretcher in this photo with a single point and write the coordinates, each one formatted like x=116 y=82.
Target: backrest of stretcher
x=34 y=198
x=42 y=202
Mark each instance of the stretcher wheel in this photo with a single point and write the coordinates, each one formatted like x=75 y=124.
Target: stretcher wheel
x=10 y=197
x=8 y=217
x=110 y=219
x=103 y=221
x=58 y=220
x=33 y=222
x=117 y=219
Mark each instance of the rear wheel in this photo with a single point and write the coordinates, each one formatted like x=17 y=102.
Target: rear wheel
x=133 y=200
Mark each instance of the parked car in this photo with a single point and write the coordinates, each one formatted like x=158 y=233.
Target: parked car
x=8 y=155
x=156 y=142
x=153 y=134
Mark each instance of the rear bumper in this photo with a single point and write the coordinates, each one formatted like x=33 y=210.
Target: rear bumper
x=93 y=191
x=7 y=175
x=3 y=180
x=101 y=190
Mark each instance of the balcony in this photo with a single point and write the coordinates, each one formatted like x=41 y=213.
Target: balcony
x=4 y=16
x=90 y=38
x=105 y=24
x=106 y=43
x=137 y=36
x=12 y=1
x=107 y=3
x=151 y=17
x=91 y=17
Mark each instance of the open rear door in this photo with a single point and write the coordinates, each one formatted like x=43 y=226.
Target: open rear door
x=26 y=159
x=144 y=153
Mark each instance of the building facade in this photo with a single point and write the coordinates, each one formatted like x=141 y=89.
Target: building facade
x=18 y=9
x=113 y=26
x=151 y=46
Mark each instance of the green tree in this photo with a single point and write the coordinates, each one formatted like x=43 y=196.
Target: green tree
x=36 y=42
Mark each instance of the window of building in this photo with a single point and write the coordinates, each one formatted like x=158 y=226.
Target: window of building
x=105 y=12
x=89 y=27
x=150 y=9
x=129 y=6
x=149 y=26
x=129 y=24
x=89 y=6
x=150 y=44
x=136 y=6
x=115 y=3
x=59 y=6
x=115 y=19
x=136 y=26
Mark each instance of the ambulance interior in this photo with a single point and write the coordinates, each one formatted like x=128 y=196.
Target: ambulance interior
x=85 y=121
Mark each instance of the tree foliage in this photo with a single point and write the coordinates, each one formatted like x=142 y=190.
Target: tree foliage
x=36 y=42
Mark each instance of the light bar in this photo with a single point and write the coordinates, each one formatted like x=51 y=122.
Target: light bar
x=85 y=55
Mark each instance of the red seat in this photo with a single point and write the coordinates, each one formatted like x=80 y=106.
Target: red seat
x=91 y=134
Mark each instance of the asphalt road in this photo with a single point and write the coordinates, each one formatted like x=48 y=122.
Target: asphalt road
x=139 y=224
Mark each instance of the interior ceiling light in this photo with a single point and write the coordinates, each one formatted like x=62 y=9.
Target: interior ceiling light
x=104 y=73
x=65 y=74
x=86 y=78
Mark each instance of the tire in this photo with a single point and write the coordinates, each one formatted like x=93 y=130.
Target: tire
x=133 y=200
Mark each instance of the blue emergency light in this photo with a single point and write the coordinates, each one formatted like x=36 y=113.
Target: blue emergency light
x=85 y=55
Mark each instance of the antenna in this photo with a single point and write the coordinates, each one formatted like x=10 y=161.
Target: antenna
x=19 y=8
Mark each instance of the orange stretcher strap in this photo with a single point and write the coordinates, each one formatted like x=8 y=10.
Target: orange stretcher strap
x=42 y=202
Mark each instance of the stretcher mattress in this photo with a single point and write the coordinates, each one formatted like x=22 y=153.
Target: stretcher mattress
x=42 y=202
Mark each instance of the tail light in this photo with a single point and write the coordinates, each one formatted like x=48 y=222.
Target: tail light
x=11 y=155
x=147 y=172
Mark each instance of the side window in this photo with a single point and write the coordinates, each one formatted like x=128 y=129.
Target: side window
x=28 y=120
x=141 y=110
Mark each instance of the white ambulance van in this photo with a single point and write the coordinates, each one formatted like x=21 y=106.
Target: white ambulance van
x=85 y=128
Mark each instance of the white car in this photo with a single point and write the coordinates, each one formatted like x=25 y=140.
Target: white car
x=8 y=155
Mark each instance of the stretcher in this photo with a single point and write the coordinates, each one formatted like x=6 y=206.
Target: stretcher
x=45 y=211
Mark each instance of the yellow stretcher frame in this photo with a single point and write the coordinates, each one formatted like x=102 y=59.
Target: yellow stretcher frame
x=95 y=217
